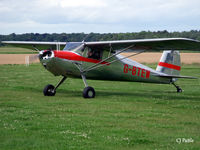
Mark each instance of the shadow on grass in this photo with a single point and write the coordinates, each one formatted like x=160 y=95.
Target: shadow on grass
x=139 y=94
x=169 y=95
x=148 y=95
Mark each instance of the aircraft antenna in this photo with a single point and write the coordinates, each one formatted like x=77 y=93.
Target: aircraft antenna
x=86 y=37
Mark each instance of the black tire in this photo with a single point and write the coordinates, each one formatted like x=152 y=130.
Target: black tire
x=88 y=92
x=49 y=90
x=179 y=90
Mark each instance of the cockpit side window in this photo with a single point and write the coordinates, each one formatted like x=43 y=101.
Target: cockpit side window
x=94 y=54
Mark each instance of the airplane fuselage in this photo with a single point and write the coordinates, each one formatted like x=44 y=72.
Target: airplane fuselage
x=70 y=64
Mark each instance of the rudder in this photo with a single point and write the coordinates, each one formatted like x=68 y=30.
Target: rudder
x=170 y=63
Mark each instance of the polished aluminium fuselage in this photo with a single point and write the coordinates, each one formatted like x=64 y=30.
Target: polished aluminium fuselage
x=71 y=64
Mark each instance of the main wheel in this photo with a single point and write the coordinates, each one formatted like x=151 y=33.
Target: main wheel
x=88 y=92
x=49 y=90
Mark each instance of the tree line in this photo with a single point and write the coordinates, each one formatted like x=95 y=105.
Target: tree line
x=78 y=37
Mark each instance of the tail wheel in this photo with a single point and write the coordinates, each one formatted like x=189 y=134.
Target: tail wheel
x=49 y=90
x=88 y=92
x=179 y=90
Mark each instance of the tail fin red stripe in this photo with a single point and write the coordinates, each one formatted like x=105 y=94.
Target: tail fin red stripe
x=171 y=66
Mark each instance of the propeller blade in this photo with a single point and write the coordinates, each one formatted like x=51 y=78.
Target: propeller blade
x=33 y=58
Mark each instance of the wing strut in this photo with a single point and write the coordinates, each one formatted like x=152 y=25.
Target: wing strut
x=94 y=66
x=82 y=74
x=110 y=50
x=115 y=61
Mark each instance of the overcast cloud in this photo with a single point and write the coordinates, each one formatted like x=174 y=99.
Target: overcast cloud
x=103 y=16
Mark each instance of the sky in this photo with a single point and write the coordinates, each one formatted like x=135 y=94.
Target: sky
x=99 y=16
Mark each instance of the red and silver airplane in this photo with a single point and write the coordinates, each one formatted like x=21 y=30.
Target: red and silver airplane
x=103 y=61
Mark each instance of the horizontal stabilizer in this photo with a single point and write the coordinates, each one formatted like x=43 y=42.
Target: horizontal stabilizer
x=176 y=76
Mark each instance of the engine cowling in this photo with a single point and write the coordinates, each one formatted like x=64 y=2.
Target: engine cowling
x=46 y=54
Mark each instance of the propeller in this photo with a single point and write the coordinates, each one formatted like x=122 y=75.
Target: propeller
x=34 y=58
x=31 y=59
x=43 y=54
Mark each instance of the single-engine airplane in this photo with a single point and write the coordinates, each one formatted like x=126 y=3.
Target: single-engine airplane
x=103 y=61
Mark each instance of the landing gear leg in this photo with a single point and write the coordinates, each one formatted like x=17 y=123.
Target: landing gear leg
x=88 y=91
x=179 y=90
x=50 y=90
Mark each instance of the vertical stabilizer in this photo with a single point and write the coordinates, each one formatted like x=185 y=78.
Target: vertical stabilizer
x=170 y=63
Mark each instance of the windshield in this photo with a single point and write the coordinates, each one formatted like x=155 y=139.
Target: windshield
x=73 y=46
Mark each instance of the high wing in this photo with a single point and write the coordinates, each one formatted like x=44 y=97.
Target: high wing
x=148 y=44
x=33 y=45
x=143 y=44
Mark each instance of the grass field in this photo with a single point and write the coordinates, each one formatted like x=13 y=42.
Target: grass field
x=123 y=115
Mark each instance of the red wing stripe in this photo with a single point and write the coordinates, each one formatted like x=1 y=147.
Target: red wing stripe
x=171 y=66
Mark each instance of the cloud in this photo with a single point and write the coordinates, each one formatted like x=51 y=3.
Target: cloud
x=81 y=3
x=122 y=16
